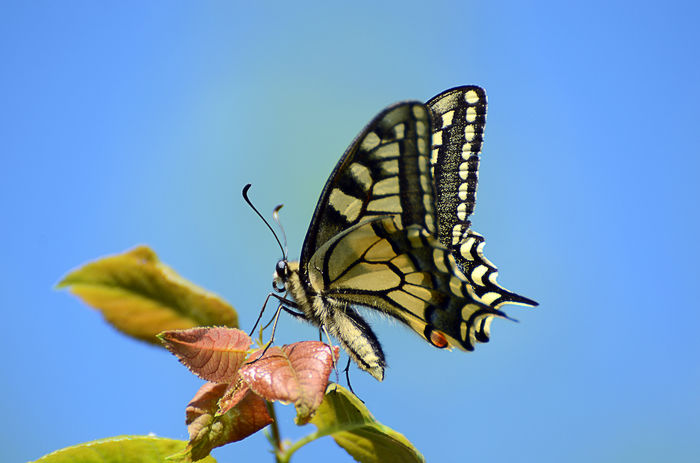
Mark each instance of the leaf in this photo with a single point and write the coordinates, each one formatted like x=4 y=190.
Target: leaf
x=120 y=449
x=237 y=390
x=140 y=296
x=214 y=354
x=208 y=430
x=343 y=416
x=296 y=373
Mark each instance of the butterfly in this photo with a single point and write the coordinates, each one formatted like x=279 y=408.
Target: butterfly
x=391 y=232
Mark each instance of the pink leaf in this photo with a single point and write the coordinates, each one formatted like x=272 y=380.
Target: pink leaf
x=208 y=430
x=214 y=354
x=235 y=392
x=297 y=373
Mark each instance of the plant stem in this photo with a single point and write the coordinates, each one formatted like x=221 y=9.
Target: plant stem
x=299 y=444
x=276 y=439
x=287 y=454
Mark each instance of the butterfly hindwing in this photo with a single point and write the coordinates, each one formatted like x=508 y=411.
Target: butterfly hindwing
x=405 y=273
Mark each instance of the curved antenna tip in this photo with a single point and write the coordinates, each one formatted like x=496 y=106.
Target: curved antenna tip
x=247 y=200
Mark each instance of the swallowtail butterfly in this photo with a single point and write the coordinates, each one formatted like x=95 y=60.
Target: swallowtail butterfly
x=391 y=232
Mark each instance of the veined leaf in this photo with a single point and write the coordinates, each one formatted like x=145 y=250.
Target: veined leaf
x=296 y=373
x=345 y=418
x=235 y=392
x=141 y=296
x=212 y=353
x=120 y=449
x=209 y=430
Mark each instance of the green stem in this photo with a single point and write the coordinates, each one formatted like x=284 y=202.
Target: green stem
x=285 y=455
x=276 y=439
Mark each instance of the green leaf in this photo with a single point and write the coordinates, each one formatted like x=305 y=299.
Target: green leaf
x=344 y=417
x=120 y=449
x=142 y=297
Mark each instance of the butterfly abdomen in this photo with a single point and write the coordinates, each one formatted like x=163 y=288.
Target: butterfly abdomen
x=356 y=336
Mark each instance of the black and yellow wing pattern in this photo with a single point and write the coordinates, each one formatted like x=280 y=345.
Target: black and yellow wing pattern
x=383 y=233
x=458 y=120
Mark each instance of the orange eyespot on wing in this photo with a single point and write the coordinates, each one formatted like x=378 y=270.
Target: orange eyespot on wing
x=437 y=339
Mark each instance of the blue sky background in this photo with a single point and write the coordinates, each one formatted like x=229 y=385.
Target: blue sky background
x=139 y=122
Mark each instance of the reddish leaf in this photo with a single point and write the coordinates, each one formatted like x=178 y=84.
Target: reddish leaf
x=213 y=354
x=204 y=400
x=236 y=391
x=208 y=430
x=296 y=373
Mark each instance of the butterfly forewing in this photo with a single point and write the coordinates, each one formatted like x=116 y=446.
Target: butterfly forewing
x=386 y=171
x=459 y=116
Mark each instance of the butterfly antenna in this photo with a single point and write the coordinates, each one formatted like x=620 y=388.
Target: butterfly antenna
x=276 y=218
x=247 y=200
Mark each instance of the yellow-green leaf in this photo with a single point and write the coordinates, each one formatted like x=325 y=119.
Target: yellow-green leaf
x=120 y=449
x=344 y=417
x=141 y=296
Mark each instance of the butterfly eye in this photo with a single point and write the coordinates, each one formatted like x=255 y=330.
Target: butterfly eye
x=281 y=269
x=278 y=284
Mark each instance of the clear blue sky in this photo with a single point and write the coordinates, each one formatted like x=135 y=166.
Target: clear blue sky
x=139 y=122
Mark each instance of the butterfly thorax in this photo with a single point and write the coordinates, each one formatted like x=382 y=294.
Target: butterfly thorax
x=287 y=276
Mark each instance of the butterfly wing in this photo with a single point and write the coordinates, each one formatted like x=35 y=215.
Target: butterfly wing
x=385 y=171
x=458 y=119
x=406 y=273
x=372 y=241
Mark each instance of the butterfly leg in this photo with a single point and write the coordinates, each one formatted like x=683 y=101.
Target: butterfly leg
x=284 y=302
x=295 y=314
x=274 y=319
x=283 y=306
x=262 y=310
x=272 y=336
x=347 y=378
x=332 y=347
